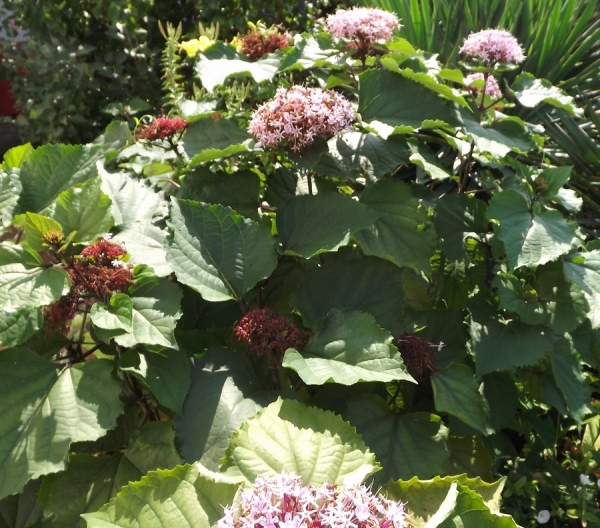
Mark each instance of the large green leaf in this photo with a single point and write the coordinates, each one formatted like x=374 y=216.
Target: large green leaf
x=153 y=447
x=530 y=239
x=530 y=92
x=308 y=225
x=502 y=345
x=584 y=270
x=405 y=445
x=347 y=347
x=456 y=392
x=21 y=510
x=288 y=436
x=214 y=72
x=51 y=169
x=224 y=392
x=217 y=252
x=367 y=284
x=457 y=217
x=22 y=283
x=155 y=311
x=390 y=98
x=85 y=209
x=501 y=397
x=166 y=373
x=240 y=190
x=10 y=189
x=469 y=455
x=309 y=51
x=566 y=366
x=425 y=498
x=116 y=315
x=14 y=157
x=402 y=235
x=183 y=496
x=44 y=408
x=208 y=139
x=36 y=228
x=135 y=206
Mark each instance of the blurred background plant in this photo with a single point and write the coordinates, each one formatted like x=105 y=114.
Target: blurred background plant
x=87 y=62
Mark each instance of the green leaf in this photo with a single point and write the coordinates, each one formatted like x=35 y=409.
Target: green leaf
x=85 y=209
x=19 y=325
x=88 y=483
x=217 y=252
x=240 y=190
x=22 y=510
x=552 y=180
x=117 y=315
x=25 y=287
x=530 y=239
x=309 y=225
x=405 y=445
x=51 y=169
x=135 y=206
x=44 y=408
x=566 y=366
x=166 y=373
x=288 y=436
x=214 y=72
x=309 y=51
x=153 y=447
x=155 y=310
x=426 y=159
x=502 y=398
x=426 y=497
x=14 y=157
x=403 y=235
x=458 y=217
x=224 y=392
x=345 y=348
x=391 y=99
x=367 y=284
x=36 y=226
x=209 y=139
x=531 y=92
x=10 y=189
x=359 y=153
x=469 y=455
x=501 y=137
x=455 y=391
x=502 y=345
x=584 y=270
x=183 y=496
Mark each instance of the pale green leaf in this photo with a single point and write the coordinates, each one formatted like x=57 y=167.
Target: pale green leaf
x=531 y=92
x=116 y=315
x=217 y=252
x=10 y=189
x=288 y=436
x=44 y=408
x=566 y=366
x=14 y=157
x=214 y=72
x=584 y=270
x=347 y=347
x=36 y=226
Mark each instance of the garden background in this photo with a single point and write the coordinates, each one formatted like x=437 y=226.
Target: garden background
x=244 y=238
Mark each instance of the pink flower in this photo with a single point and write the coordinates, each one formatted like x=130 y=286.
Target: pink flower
x=363 y=24
x=491 y=85
x=284 y=502
x=493 y=45
x=299 y=115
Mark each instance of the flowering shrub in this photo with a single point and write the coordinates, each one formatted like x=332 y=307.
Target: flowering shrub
x=362 y=24
x=444 y=295
x=492 y=46
x=284 y=501
x=299 y=115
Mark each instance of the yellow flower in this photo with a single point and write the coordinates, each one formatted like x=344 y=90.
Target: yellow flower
x=237 y=42
x=193 y=46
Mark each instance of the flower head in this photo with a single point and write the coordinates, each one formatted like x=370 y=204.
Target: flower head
x=417 y=355
x=299 y=115
x=193 y=46
x=162 y=128
x=284 y=502
x=491 y=85
x=543 y=516
x=493 y=45
x=362 y=24
x=263 y=332
x=259 y=40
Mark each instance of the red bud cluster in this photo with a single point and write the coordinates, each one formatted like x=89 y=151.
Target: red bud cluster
x=417 y=355
x=256 y=43
x=162 y=128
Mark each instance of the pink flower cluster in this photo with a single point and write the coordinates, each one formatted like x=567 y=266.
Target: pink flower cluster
x=299 y=115
x=363 y=24
x=283 y=502
x=493 y=45
x=491 y=85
